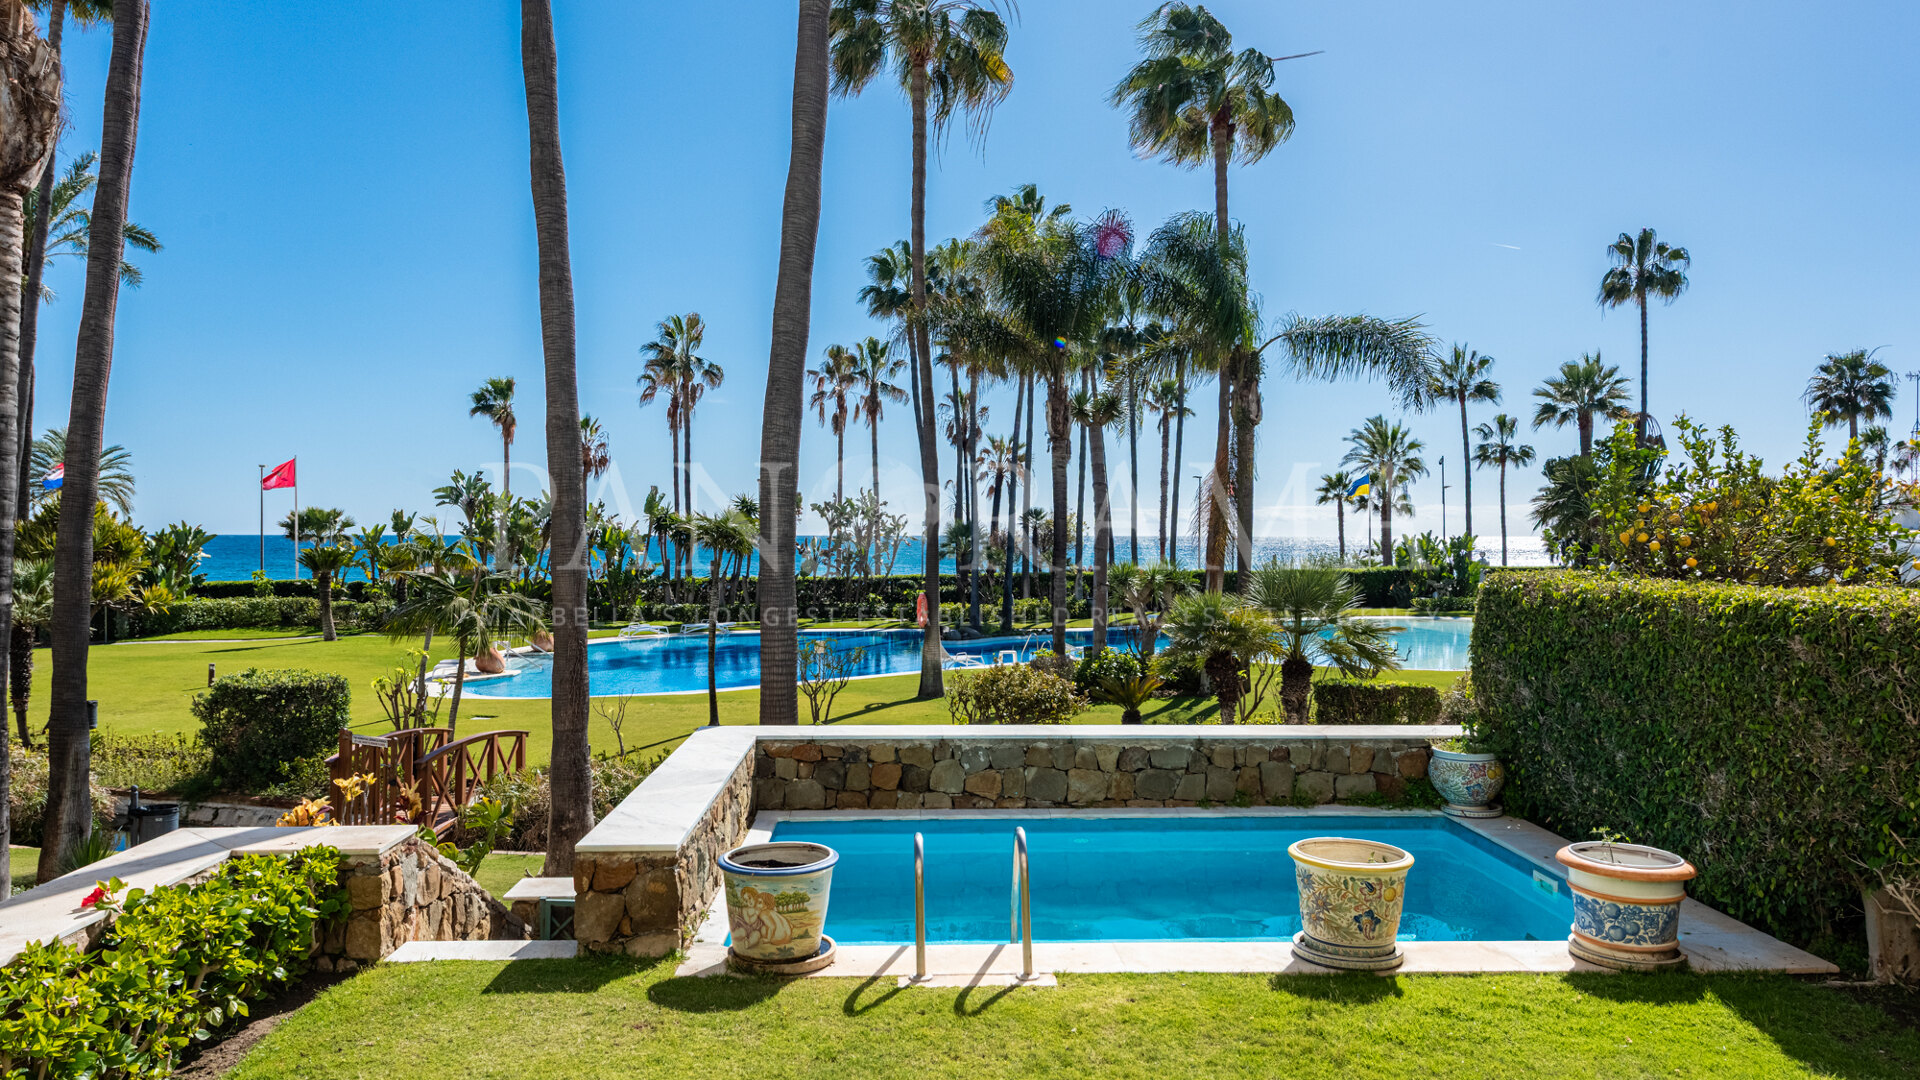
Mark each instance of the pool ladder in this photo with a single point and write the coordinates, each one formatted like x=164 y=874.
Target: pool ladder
x=1020 y=915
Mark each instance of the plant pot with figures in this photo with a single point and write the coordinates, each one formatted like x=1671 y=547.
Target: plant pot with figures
x=777 y=906
x=1351 y=896
x=1466 y=777
x=1626 y=903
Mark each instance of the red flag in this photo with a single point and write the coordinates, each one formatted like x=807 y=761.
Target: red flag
x=281 y=476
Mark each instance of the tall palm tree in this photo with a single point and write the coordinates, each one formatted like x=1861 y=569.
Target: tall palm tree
x=1460 y=377
x=874 y=370
x=1851 y=387
x=1313 y=612
x=833 y=384
x=950 y=56
x=568 y=773
x=726 y=535
x=1333 y=489
x=657 y=380
x=595 y=455
x=1168 y=399
x=1580 y=392
x=494 y=400
x=1643 y=266
x=116 y=485
x=69 y=813
x=1498 y=449
x=1103 y=409
x=326 y=562
x=673 y=361
x=67 y=221
x=32 y=610
x=1390 y=453
x=786 y=373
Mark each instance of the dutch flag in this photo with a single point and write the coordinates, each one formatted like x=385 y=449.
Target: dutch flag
x=54 y=478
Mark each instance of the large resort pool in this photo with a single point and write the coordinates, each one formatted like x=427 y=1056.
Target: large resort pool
x=677 y=663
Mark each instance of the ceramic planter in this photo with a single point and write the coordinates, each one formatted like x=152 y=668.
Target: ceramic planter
x=1626 y=904
x=777 y=905
x=1351 y=893
x=1468 y=782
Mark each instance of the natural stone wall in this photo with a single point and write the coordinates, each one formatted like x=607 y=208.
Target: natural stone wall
x=410 y=892
x=984 y=772
x=649 y=903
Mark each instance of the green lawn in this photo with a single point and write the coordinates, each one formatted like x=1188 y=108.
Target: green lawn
x=501 y=869
x=534 y=1020
x=22 y=862
x=148 y=687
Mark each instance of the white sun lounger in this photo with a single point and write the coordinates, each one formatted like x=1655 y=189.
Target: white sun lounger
x=637 y=629
x=701 y=628
x=960 y=660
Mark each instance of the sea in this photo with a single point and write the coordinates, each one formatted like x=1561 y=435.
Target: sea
x=235 y=557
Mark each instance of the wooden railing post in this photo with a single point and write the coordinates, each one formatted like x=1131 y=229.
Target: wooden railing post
x=342 y=768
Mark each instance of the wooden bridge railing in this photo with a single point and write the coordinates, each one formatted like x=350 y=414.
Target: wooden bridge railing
x=419 y=776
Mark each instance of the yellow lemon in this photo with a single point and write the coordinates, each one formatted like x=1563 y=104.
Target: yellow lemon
x=1830 y=541
x=1655 y=546
x=1642 y=538
x=1644 y=507
x=1626 y=536
x=1692 y=562
x=1686 y=541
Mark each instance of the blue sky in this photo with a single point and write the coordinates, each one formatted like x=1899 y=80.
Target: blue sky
x=342 y=191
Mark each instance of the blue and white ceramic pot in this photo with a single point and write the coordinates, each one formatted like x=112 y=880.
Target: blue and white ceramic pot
x=1351 y=895
x=1468 y=782
x=777 y=901
x=1626 y=904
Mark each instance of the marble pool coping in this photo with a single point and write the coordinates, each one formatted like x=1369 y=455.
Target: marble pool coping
x=1711 y=940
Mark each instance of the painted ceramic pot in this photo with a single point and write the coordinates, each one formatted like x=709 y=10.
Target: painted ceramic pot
x=1468 y=782
x=777 y=900
x=1351 y=894
x=1626 y=904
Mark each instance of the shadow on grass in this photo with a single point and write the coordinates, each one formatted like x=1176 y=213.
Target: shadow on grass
x=712 y=994
x=1830 y=1031
x=962 y=1001
x=854 y=1005
x=583 y=975
x=1357 y=988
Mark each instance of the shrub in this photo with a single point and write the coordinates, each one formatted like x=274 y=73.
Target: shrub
x=1110 y=663
x=1013 y=694
x=614 y=778
x=27 y=799
x=152 y=763
x=1375 y=703
x=1766 y=734
x=178 y=964
x=224 y=590
x=259 y=723
x=1383 y=586
x=1443 y=605
x=255 y=612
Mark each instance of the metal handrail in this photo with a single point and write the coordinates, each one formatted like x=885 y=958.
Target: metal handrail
x=1021 y=916
x=919 y=907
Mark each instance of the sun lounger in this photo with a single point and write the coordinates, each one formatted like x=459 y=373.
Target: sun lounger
x=960 y=660
x=640 y=629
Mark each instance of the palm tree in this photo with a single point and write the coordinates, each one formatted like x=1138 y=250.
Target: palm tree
x=116 y=471
x=1149 y=592
x=1103 y=408
x=950 y=56
x=1498 y=449
x=725 y=535
x=1462 y=377
x=1580 y=392
x=595 y=455
x=568 y=772
x=1223 y=635
x=833 y=382
x=1167 y=398
x=466 y=602
x=1390 y=453
x=1312 y=608
x=1643 y=266
x=1333 y=489
x=69 y=817
x=873 y=372
x=32 y=609
x=494 y=400
x=673 y=361
x=786 y=372
x=67 y=223
x=1851 y=387
x=325 y=562
x=1562 y=508
x=657 y=379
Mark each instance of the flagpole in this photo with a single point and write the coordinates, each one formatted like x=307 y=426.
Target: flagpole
x=263 y=519
x=296 y=517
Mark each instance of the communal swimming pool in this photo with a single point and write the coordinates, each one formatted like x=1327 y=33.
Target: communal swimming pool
x=677 y=664
x=1156 y=877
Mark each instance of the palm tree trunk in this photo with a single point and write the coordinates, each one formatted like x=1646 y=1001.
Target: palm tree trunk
x=505 y=559
x=1340 y=520
x=873 y=430
x=1466 y=466
x=839 y=453
x=1020 y=398
x=36 y=263
x=1640 y=425
x=420 y=679
x=324 y=586
x=1179 y=444
x=1080 y=504
x=785 y=408
x=20 y=669
x=1102 y=536
x=1246 y=421
x=1503 y=513
x=1585 y=422
x=1026 y=493
x=931 y=685
x=459 y=685
x=713 y=642
x=1166 y=432
x=572 y=785
x=69 y=817
x=973 y=499
x=673 y=427
x=1386 y=519
x=1296 y=688
x=1133 y=465
x=1060 y=445
x=1216 y=556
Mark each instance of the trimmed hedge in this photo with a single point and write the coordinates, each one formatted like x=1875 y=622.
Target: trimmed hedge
x=1768 y=735
x=256 y=612
x=258 y=724
x=228 y=590
x=1375 y=703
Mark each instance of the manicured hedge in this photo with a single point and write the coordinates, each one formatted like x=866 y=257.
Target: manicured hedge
x=259 y=723
x=227 y=590
x=255 y=612
x=1769 y=735
x=1375 y=703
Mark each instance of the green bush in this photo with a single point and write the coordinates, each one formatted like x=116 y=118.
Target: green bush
x=1766 y=734
x=1443 y=605
x=152 y=763
x=179 y=964
x=27 y=798
x=1375 y=703
x=1109 y=663
x=1382 y=586
x=614 y=778
x=255 y=612
x=1013 y=694
x=258 y=724
x=223 y=590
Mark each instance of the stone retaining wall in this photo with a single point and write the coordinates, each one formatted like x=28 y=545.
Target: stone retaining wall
x=985 y=772
x=410 y=892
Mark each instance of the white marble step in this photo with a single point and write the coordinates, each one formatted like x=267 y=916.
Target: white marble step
x=417 y=951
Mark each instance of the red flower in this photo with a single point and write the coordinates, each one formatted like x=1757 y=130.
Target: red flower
x=94 y=898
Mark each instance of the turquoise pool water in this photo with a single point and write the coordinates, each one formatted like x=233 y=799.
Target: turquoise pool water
x=1162 y=878
x=678 y=663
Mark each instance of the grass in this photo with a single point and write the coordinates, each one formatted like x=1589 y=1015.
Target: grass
x=22 y=864
x=147 y=688
x=611 y=1017
x=499 y=871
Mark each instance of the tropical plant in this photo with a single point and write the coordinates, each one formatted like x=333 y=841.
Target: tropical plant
x=1149 y=592
x=1562 y=509
x=1461 y=377
x=1129 y=691
x=1391 y=455
x=1577 y=394
x=173 y=557
x=116 y=471
x=468 y=603
x=1497 y=449
x=32 y=610
x=833 y=385
x=326 y=562
x=675 y=367
x=1333 y=489
x=728 y=534
x=595 y=456
x=1313 y=613
x=872 y=372
x=68 y=221
x=825 y=670
x=494 y=400
x=1643 y=266
x=1168 y=400
x=1850 y=387
x=320 y=524
x=1222 y=635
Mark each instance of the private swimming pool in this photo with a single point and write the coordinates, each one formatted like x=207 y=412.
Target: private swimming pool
x=1156 y=877
x=677 y=664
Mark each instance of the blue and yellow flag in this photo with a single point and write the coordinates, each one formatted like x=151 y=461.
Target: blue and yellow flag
x=1360 y=487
